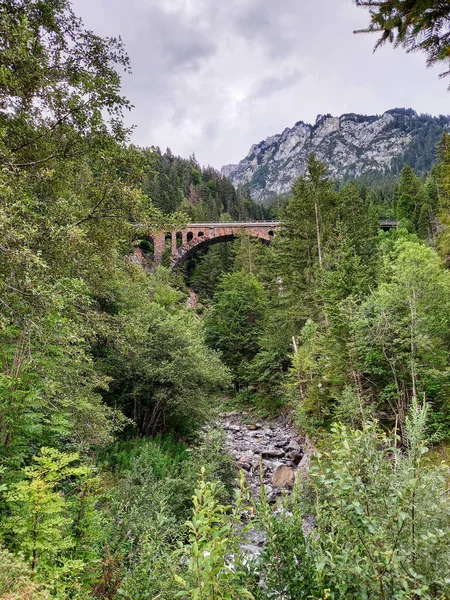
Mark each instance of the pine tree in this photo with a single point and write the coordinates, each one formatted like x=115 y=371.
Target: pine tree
x=411 y=198
x=443 y=184
x=234 y=323
x=307 y=222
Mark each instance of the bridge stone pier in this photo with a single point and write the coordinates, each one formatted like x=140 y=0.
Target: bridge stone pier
x=184 y=242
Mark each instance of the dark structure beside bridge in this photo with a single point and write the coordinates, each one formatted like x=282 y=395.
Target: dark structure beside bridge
x=388 y=224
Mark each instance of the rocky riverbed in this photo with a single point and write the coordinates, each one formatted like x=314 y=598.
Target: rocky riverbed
x=275 y=445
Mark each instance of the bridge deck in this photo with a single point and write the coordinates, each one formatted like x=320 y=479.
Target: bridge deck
x=235 y=224
x=384 y=222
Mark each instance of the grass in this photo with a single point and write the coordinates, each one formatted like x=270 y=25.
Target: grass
x=119 y=457
x=440 y=454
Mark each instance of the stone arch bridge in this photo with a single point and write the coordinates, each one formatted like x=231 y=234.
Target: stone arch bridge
x=184 y=242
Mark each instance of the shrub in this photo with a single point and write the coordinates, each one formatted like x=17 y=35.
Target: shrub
x=214 y=570
x=382 y=515
x=17 y=581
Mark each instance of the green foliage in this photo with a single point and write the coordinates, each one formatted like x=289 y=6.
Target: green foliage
x=165 y=473
x=402 y=331
x=443 y=186
x=17 y=581
x=382 y=516
x=68 y=188
x=250 y=256
x=203 y=194
x=196 y=176
x=349 y=408
x=306 y=226
x=214 y=538
x=52 y=520
x=164 y=375
x=208 y=269
x=233 y=324
x=412 y=202
x=286 y=566
x=245 y=254
x=266 y=377
x=120 y=456
x=149 y=505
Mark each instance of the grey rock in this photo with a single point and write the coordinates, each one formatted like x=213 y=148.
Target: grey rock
x=350 y=145
x=273 y=453
x=273 y=496
x=281 y=443
x=294 y=445
x=283 y=477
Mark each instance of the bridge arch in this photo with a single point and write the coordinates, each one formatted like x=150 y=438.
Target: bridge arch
x=187 y=253
x=200 y=235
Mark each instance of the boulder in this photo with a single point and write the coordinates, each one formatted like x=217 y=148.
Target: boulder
x=294 y=445
x=272 y=453
x=283 y=477
x=281 y=443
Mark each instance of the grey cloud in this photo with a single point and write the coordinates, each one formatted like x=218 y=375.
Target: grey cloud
x=171 y=41
x=215 y=77
x=273 y=27
x=179 y=44
x=210 y=130
x=178 y=115
x=273 y=84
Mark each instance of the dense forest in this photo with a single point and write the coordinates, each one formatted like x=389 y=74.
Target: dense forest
x=115 y=481
x=177 y=184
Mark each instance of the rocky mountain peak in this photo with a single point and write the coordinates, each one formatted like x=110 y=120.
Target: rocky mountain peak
x=351 y=145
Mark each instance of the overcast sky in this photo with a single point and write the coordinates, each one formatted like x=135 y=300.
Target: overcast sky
x=216 y=76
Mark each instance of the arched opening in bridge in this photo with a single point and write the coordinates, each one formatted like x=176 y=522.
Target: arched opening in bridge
x=147 y=246
x=179 y=239
x=204 y=264
x=271 y=233
x=205 y=243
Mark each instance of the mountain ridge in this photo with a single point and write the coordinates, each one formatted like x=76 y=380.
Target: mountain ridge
x=351 y=145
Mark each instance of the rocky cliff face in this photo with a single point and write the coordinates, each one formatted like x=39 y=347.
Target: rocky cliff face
x=351 y=145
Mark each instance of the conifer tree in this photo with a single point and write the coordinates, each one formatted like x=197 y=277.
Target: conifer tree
x=299 y=246
x=443 y=185
x=234 y=324
x=411 y=198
